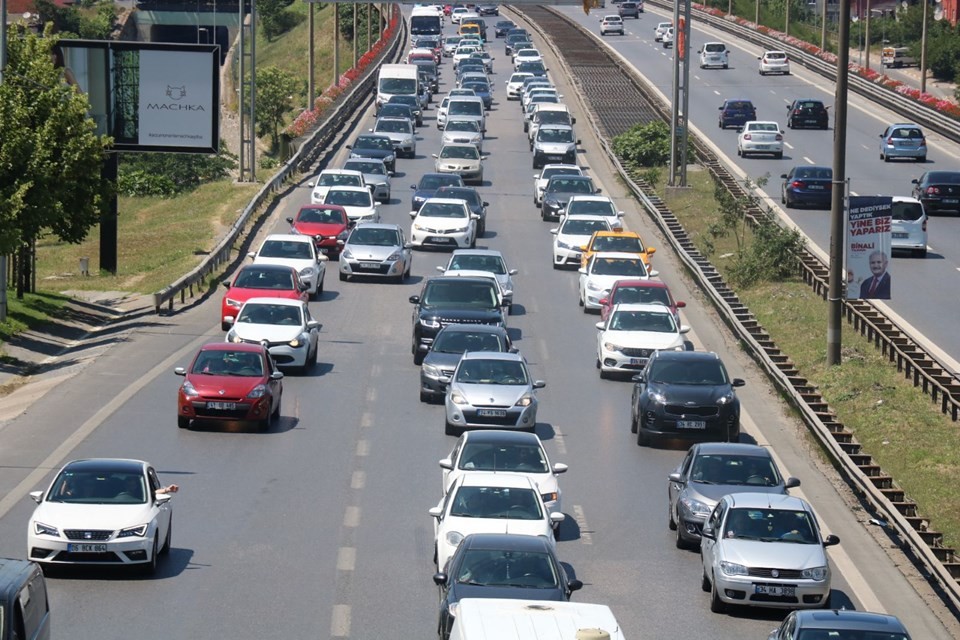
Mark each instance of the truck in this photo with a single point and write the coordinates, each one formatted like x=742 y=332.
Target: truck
x=396 y=80
x=503 y=619
x=897 y=57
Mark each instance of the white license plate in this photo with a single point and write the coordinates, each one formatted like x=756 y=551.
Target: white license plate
x=87 y=548
x=815 y=187
x=492 y=413
x=772 y=590
x=950 y=201
x=443 y=240
x=369 y=265
x=222 y=406
x=901 y=235
x=691 y=424
x=762 y=146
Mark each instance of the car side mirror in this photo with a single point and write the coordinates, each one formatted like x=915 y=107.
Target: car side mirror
x=575 y=585
x=180 y=371
x=276 y=375
x=444 y=379
x=436 y=512
x=290 y=220
x=539 y=384
x=783 y=176
x=684 y=329
x=738 y=382
x=441 y=269
x=314 y=324
x=323 y=257
x=440 y=579
x=582 y=270
x=707 y=532
x=556 y=517
x=225 y=284
x=486 y=204
x=312 y=183
x=435 y=155
x=675 y=477
x=554 y=231
x=915 y=181
x=413 y=214
x=162 y=498
x=831 y=540
x=680 y=304
x=447 y=464
x=414 y=299
x=791 y=483
x=36 y=496
x=601 y=326
x=654 y=273
x=639 y=378
x=252 y=255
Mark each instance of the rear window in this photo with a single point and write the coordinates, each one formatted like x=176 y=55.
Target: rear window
x=906 y=132
x=907 y=211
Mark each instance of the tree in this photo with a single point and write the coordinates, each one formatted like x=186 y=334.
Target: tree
x=50 y=154
x=275 y=89
x=274 y=17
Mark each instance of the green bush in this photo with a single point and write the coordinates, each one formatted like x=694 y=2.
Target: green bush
x=168 y=174
x=644 y=145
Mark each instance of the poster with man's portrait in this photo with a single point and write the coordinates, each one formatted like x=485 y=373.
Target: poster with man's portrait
x=869 y=219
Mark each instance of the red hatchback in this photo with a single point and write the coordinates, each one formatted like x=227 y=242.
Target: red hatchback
x=258 y=281
x=327 y=223
x=227 y=381
x=640 y=291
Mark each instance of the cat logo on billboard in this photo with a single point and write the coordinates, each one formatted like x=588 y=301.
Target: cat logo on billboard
x=176 y=94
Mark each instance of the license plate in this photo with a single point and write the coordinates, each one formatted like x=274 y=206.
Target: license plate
x=222 y=406
x=774 y=590
x=87 y=548
x=763 y=146
x=443 y=240
x=815 y=187
x=369 y=265
x=901 y=235
x=638 y=361
x=691 y=424
x=492 y=413
x=950 y=201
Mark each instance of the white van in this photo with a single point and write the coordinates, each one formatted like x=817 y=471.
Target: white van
x=396 y=80
x=426 y=20
x=501 y=619
x=467 y=108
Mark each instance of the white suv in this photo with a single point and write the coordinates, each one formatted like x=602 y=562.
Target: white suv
x=909 y=227
x=714 y=54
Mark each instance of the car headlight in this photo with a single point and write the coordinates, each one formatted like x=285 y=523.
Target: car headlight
x=553 y=204
x=550 y=497
x=417 y=227
x=459 y=230
x=726 y=398
x=457 y=398
x=657 y=397
x=394 y=256
x=453 y=609
x=818 y=574
x=593 y=286
x=343 y=234
x=138 y=531
x=610 y=346
x=296 y=342
x=430 y=323
x=732 y=568
x=696 y=507
x=454 y=538
x=390 y=158
x=563 y=245
x=188 y=389
x=258 y=391
x=431 y=370
x=347 y=254
x=525 y=400
x=236 y=304
x=45 y=530
x=232 y=337
x=307 y=272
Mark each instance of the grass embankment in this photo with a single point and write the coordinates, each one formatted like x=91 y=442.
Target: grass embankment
x=897 y=424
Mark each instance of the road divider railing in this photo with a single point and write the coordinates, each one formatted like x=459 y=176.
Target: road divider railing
x=928 y=117
x=877 y=489
x=317 y=144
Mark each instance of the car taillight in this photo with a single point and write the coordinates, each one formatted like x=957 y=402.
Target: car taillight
x=890 y=140
x=924 y=226
x=779 y=137
x=923 y=141
x=798 y=184
x=933 y=190
x=747 y=136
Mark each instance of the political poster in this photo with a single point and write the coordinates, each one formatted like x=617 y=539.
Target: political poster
x=869 y=219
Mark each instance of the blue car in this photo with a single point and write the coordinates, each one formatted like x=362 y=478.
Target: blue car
x=482 y=91
x=736 y=113
x=429 y=184
x=807 y=186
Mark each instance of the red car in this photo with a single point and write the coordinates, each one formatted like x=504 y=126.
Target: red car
x=227 y=381
x=327 y=223
x=447 y=8
x=640 y=291
x=257 y=281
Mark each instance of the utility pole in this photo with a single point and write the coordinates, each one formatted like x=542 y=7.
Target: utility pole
x=867 y=36
x=3 y=66
x=356 y=37
x=923 y=51
x=679 y=124
x=837 y=217
x=675 y=118
x=336 y=44
x=311 y=88
x=786 y=24
x=823 y=27
x=369 y=26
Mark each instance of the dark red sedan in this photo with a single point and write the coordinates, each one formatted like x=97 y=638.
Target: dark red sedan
x=258 y=281
x=642 y=292
x=228 y=381
x=327 y=223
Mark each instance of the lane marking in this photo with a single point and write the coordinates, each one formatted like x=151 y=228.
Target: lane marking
x=351 y=517
x=375 y=369
x=366 y=419
x=716 y=92
x=788 y=145
x=358 y=480
x=363 y=448
x=340 y=621
x=808 y=160
x=559 y=438
x=371 y=394
x=586 y=536
x=854 y=193
x=346 y=558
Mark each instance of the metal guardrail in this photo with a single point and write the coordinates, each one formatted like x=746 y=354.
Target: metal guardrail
x=917 y=112
x=876 y=488
x=221 y=254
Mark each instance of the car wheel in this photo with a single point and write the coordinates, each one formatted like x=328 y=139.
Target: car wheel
x=704 y=581
x=450 y=430
x=920 y=253
x=788 y=202
x=277 y=409
x=436 y=556
x=922 y=159
x=726 y=67
x=761 y=72
x=826 y=601
x=716 y=604
x=778 y=156
x=319 y=291
x=225 y=326
x=734 y=434
x=633 y=423
x=150 y=568
x=740 y=153
x=884 y=157
x=264 y=424
x=604 y=375
x=426 y=397
x=343 y=277
x=165 y=549
x=643 y=440
x=681 y=542
x=183 y=423
x=720 y=124
x=671 y=522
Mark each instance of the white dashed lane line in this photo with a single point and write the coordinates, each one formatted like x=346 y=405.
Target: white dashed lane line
x=586 y=535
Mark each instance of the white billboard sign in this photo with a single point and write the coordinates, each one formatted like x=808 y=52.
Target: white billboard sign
x=869 y=219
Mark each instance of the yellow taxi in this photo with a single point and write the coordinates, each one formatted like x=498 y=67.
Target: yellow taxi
x=470 y=29
x=619 y=241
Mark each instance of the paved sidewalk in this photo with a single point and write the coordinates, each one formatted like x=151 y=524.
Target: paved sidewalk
x=907 y=75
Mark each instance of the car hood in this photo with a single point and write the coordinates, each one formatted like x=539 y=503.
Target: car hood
x=496 y=525
x=560 y=196
x=299 y=265
x=575 y=240
x=710 y=494
x=92 y=516
x=269 y=332
x=371 y=153
x=241 y=294
x=374 y=178
x=458 y=591
x=225 y=386
x=371 y=252
x=605 y=283
x=643 y=339
x=358 y=212
x=397 y=136
x=441 y=224
x=467 y=315
x=555 y=147
x=694 y=394
x=319 y=228
x=467 y=137
x=782 y=555
x=500 y=395
x=457 y=163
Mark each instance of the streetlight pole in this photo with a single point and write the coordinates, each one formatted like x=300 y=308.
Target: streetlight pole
x=756 y=19
x=823 y=27
x=786 y=25
x=923 y=51
x=311 y=58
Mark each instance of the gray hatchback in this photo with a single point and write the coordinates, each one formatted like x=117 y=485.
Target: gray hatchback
x=630 y=9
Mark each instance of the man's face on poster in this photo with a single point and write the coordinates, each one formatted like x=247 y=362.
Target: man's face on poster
x=878 y=264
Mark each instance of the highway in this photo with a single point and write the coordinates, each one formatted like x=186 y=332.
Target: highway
x=320 y=528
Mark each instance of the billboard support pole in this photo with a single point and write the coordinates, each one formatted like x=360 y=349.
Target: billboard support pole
x=336 y=44
x=837 y=226
x=311 y=89
x=108 y=217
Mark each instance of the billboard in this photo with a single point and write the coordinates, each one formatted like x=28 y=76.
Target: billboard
x=148 y=96
x=869 y=219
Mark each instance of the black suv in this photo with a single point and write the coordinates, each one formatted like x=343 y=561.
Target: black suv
x=630 y=9
x=685 y=394
x=806 y=113
x=460 y=300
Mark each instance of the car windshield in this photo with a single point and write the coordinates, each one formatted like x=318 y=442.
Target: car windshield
x=339 y=179
x=808 y=105
x=99 y=487
x=252 y=278
x=265 y=313
x=848 y=634
x=555 y=135
x=228 y=363
x=396 y=85
x=477 y=87
x=464 y=152
x=475 y=262
x=522 y=458
x=455 y=292
x=553 y=117
x=625 y=244
x=442 y=210
x=409 y=100
x=583 y=227
x=943 y=177
x=757 y=471
x=394 y=126
x=655 y=322
x=619 y=267
x=592 y=208
x=321 y=216
x=641 y=295
x=465 y=108
x=774 y=55
x=373 y=143
x=704 y=372
x=374 y=237
x=770 y=525
x=566 y=185
x=374 y=168
x=505 y=372
x=345 y=198
x=739 y=106
x=906 y=132
x=463 y=341
x=507 y=568
x=463 y=125
x=286 y=249
x=395 y=111
x=515 y=503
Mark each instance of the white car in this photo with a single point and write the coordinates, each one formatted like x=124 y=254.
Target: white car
x=667 y=38
x=574 y=232
x=442 y=112
x=457 y=13
x=334 y=178
x=458 y=131
x=515 y=84
x=285 y=324
x=908 y=230
x=462 y=53
x=541 y=179
x=101 y=511
x=297 y=251
x=443 y=222
x=462 y=159
x=358 y=203
x=510 y=451
x=611 y=24
x=774 y=62
x=765 y=550
x=760 y=137
x=526 y=55
x=530 y=93
x=605 y=268
x=595 y=205
x=714 y=54
x=634 y=331
x=661 y=29
x=487 y=261
x=450 y=44
x=488 y=502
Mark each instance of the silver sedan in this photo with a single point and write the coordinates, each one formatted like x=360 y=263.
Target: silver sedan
x=378 y=250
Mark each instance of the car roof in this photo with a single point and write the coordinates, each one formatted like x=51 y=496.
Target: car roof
x=905 y=199
x=233 y=346
x=501 y=436
x=476 y=252
x=555 y=127
x=570 y=176
x=731 y=448
x=649 y=284
x=492 y=355
x=495 y=479
x=475 y=328
x=125 y=465
x=615 y=254
x=506 y=541
x=469 y=279
x=641 y=306
x=287 y=302
x=350 y=172
x=446 y=201
x=268 y=267
x=616 y=234
x=768 y=501
x=349 y=187
x=288 y=237
x=379 y=225
x=848 y=619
